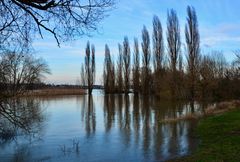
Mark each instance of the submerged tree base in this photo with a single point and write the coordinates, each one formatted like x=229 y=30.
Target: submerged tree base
x=220 y=138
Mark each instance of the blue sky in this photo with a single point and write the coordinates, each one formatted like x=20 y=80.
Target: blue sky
x=219 y=26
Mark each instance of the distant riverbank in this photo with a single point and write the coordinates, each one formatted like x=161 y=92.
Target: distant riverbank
x=56 y=91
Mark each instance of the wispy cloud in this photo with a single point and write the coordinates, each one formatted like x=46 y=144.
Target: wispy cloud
x=217 y=35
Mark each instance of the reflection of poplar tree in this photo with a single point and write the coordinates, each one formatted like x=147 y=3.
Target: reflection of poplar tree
x=90 y=117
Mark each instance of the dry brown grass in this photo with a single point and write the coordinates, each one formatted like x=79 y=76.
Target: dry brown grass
x=56 y=91
x=184 y=117
x=211 y=110
x=222 y=107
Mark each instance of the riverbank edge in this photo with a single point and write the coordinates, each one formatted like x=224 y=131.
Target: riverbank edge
x=215 y=109
x=219 y=137
x=55 y=92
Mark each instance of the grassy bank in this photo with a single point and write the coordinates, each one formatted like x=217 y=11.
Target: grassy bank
x=56 y=91
x=219 y=139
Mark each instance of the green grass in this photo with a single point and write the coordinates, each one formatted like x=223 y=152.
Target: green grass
x=219 y=139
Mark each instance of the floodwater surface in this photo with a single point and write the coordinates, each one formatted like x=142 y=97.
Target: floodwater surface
x=95 y=129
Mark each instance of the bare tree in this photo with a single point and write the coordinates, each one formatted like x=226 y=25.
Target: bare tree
x=64 y=19
x=180 y=63
x=193 y=49
x=108 y=74
x=18 y=71
x=218 y=78
x=238 y=57
x=136 y=68
x=120 y=69
x=174 y=46
x=126 y=65
x=158 y=55
x=146 y=61
x=181 y=84
x=158 y=45
x=220 y=63
x=89 y=72
x=207 y=77
x=83 y=77
x=237 y=60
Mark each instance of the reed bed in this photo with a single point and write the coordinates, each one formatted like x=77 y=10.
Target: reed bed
x=56 y=91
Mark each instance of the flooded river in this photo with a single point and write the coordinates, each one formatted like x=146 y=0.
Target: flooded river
x=95 y=129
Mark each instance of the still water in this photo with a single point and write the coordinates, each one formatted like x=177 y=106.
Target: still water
x=95 y=129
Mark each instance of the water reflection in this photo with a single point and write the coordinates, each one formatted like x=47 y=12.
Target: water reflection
x=139 y=121
x=109 y=111
x=105 y=127
x=20 y=117
x=89 y=116
x=21 y=121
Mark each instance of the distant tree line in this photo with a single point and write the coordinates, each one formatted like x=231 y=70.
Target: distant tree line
x=165 y=72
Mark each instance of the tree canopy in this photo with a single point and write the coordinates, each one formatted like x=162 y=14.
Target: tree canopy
x=64 y=19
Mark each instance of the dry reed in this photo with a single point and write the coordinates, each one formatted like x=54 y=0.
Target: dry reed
x=211 y=110
x=56 y=91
